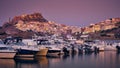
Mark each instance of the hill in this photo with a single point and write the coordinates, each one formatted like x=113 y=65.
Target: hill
x=29 y=24
x=108 y=29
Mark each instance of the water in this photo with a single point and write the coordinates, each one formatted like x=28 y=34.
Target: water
x=108 y=59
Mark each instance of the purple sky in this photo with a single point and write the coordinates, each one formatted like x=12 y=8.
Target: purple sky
x=69 y=12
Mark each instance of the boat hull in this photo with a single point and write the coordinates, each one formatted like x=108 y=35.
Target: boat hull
x=42 y=52
x=26 y=53
x=7 y=55
x=53 y=52
x=110 y=48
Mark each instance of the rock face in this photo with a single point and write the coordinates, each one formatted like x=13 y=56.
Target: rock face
x=29 y=17
x=29 y=24
x=21 y=25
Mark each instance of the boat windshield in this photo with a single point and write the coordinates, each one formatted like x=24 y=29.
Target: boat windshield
x=6 y=48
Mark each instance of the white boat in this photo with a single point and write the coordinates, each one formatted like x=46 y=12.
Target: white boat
x=104 y=46
x=110 y=48
x=99 y=44
x=54 y=49
x=29 y=48
x=30 y=51
x=7 y=52
x=42 y=50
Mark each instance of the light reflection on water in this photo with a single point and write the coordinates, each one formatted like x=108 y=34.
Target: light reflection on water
x=108 y=59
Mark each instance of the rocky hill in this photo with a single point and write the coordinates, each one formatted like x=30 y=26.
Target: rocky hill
x=29 y=24
x=108 y=29
x=12 y=28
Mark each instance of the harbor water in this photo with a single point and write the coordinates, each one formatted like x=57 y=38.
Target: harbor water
x=106 y=59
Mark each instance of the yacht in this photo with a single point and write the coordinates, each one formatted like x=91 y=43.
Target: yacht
x=29 y=48
x=54 y=49
x=7 y=52
x=110 y=48
x=42 y=51
x=98 y=44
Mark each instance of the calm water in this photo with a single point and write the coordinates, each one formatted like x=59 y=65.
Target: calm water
x=108 y=59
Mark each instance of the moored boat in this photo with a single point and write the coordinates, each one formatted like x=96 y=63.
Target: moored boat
x=7 y=52
x=110 y=48
x=26 y=52
x=42 y=52
x=53 y=51
x=29 y=48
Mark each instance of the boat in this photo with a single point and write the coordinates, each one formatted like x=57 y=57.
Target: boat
x=30 y=51
x=53 y=48
x=42 y=51
x=53 y=51
x=28 y=48
x=118 y=48
x=98 y=44
x=26 y=51
x=110 y=48
x=7 y=52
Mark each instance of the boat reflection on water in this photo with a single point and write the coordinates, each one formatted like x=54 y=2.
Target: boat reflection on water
x=7 y=63
x=25 y=63
x=38 y=62
x=42 y=62
x=106 y=59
